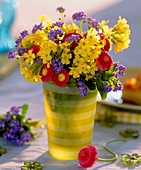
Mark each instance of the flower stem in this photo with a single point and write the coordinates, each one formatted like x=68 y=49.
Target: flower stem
x=115 y=156
x=81 y=26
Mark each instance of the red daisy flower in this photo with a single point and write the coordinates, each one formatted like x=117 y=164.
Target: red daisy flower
x=87 y=156
x=104 y=61
x=35 y=49
x=46 y=73
x=107 y=45
x=74 y=43
x=61 y=78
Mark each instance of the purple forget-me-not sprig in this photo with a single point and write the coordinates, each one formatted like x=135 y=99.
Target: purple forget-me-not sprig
x=57 y=65
x=52 y=35
x=82 y=88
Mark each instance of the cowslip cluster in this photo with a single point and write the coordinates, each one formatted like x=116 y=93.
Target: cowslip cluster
x=13 y=127
x=67 y=54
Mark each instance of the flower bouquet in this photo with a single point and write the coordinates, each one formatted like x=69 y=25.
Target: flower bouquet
x=73 y=64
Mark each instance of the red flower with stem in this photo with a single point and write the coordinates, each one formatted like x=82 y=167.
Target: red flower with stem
x=104 y=61
x=61 y=78
x=87 y=156
x=46 y=73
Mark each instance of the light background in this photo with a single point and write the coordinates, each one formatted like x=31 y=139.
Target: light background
x=28 y=10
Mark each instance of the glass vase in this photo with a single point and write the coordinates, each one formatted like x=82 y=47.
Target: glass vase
x=7 y=16
x=70 y=120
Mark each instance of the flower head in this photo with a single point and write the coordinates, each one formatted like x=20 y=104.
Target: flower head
x=61 y=78
x=87 y=156
x=46 y=73
x=104 y=61
x=15 y=110
x=61 y=53
x=11 y=54
x=78 y=16
x=61 y=9
x=37 y=27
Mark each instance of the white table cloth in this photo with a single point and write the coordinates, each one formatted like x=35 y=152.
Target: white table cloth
x=15 y=91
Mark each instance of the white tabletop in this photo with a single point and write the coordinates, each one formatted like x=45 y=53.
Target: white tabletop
x=15 y=91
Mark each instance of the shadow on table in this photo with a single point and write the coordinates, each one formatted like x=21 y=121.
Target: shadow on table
x=123 y=166
x=50 y=163
x=12 y=151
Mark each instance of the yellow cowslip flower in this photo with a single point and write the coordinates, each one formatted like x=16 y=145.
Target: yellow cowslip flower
x=65 y=46
x=103 y=23
x=120 y=35
x=46 y=47
x=65 y=58
x=42 y=18
x=78 y=60
x=35 y=78
x=90 y=47
x=86 y=68
x=26 y=72
x=69 y=28
x=74 y=72
x=38 y=37
x=88 y=76
x=106 y=30
x=29 y=57
x=26 y=41
x=120 y=46
x=93 y=67
x=46 y=59
x=48 y=22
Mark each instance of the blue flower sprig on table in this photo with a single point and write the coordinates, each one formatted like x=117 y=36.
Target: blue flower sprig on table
x=14 y=128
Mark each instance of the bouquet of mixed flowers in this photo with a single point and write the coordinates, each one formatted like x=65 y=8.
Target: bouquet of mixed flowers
x=66 y=54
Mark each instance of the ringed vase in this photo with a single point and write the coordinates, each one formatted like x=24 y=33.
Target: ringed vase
x=69 y=118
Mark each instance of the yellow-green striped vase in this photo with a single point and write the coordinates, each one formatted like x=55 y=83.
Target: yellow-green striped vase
x=70 y=120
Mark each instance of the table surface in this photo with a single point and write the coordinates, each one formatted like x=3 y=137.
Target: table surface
x=14 y=90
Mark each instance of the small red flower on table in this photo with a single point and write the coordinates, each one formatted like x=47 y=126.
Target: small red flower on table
x=104 y=61
x=61 y=78
x=87 y=156
x=46 y=73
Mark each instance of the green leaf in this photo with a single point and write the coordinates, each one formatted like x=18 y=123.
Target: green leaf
x=37 y=69
x=101 y=90
x=24 y=111
x=59 y=51
x=91 y=85
x=103 y=94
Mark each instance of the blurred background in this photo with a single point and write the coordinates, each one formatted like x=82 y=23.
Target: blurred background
x=27 y=12
x=24 y=14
